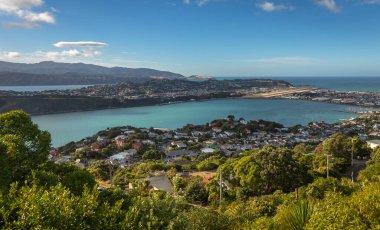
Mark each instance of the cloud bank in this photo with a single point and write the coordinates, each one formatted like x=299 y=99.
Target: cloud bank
x=24 y=11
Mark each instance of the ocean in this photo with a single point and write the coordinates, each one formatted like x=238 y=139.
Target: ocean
x=75 y=126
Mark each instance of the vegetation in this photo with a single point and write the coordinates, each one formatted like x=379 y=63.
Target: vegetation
x=271 y=188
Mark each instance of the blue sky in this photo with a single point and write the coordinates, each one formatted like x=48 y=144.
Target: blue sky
x=204 y=37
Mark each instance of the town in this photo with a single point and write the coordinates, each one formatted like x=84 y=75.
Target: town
x=362 y=99
x=191 y=147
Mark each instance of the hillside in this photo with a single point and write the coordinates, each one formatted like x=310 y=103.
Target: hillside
x=53 y=73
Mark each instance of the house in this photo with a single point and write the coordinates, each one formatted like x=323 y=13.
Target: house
x=119 y=158
x=373 y=143
x=98 y=145
x=129 y=132
x=178 y=144
x=207 y=150
x=148 y=142
x=158 y=183
x=123 y=157
x=101 y=138
x=178 y=153
x=79 y=163
x=64 y=159
x=137 y=145
x=121 y=140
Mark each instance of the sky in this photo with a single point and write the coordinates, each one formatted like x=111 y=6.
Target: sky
x=198 y=37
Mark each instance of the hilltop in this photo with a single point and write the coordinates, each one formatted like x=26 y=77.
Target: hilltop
x=55 y=73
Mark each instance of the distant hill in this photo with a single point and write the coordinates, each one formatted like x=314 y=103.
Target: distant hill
x=53 y=73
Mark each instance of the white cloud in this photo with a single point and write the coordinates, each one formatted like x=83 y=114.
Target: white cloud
x=69 y=51
x=9 y=55
x=271 y=6
x=283 y=60
x=24 y=11
x=80 y=44
x=62 y=55
x=199 y=2
x=328 y=4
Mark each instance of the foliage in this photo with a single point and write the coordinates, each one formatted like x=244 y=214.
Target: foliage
x=370 y=173
x=375 y=156
x=321 y=186
x=294 y=216
x=264 y=172
x=100 y=169
x=200 y=218
x=23 y=145
x=153 y=212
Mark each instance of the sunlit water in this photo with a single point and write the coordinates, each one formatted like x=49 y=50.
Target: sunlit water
x=75 y=126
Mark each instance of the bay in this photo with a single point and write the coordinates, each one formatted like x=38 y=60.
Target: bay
x=76 y=126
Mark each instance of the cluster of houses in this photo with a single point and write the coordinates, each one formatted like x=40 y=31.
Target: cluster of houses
x=362 y=99
x=214 y=138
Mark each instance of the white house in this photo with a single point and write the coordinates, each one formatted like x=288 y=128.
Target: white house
x=373 y=143
x=207 y=150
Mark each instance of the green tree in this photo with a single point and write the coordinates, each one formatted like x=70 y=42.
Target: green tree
x=200 y=218
x=195 y=191
x=370 y=173
x=265 y=171
x=152 y=154
x=338 y=148
x=152 y=212
x=26 y=145
x=375 y=156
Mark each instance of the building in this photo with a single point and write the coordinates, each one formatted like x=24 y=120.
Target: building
x=179 y=153
x=373 y=143
x=207 y=150
x=121 y=140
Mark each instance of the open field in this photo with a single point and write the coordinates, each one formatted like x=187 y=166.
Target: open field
x=280 y=93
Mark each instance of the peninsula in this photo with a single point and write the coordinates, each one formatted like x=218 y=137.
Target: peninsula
x=150 y=92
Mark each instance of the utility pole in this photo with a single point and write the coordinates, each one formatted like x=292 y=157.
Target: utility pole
x=110 y=170
x=352 y=160
x=220 y=187
x=327 y=164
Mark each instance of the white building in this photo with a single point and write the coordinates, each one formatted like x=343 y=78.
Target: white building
x=373 y=143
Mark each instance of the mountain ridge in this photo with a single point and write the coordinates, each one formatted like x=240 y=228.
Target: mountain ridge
x=50 y=73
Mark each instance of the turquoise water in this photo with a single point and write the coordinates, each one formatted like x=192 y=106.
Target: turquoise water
x=40 y=88
x=75 y=126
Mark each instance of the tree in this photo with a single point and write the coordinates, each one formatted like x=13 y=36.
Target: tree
x=375 y=156
x=72 y=177
x=265 y=171
x=5 y=170
x=195 y=191
x=360 y=148
x=231 y=117
x=25 y=145
x=321 y=186
x=338 y=148
x=200 y=218
x=370 y=173
x=152 y=212
x=304 y=155
x=152 y=154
